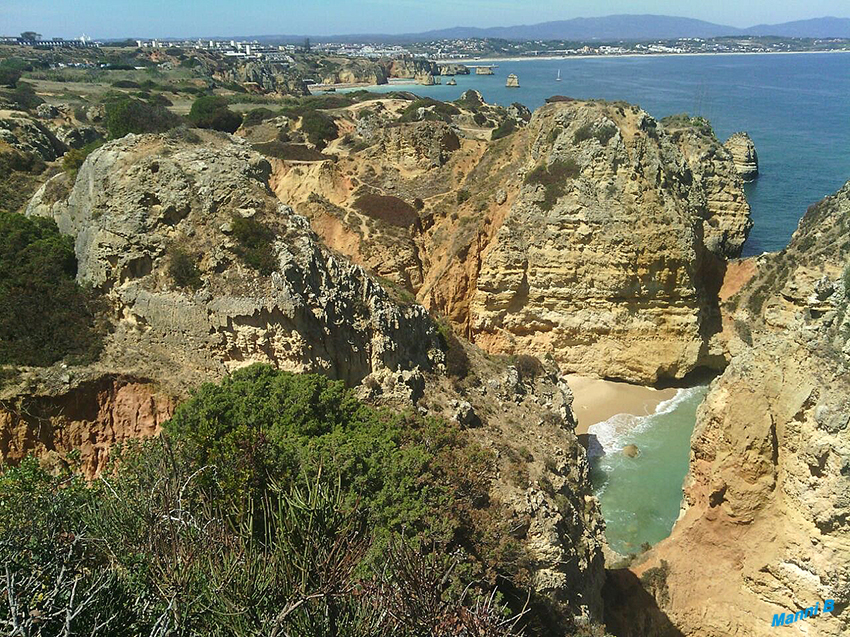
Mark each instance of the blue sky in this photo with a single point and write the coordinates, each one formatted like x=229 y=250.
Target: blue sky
x=182 y=18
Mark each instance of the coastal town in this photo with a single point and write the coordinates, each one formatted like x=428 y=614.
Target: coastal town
x=281 y=48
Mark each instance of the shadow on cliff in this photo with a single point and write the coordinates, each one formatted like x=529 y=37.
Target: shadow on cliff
x=631 y=611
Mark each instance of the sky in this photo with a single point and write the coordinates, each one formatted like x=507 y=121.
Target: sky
x=188 y=18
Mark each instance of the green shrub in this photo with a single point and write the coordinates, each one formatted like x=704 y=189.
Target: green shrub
x=9 y=77
x=389 y=209
x=48 y=317
x=319 y=128
x=504 y=129
x=604 y=133
x=22 y=96
x=255 y=244
x=183 y=269
x=126 y=84
x=211 y=111
x=257 y=116
x=462 y=196
x=458 y=364
x=655 y=579
x=293 y=152
x=435 y=110
x=554 y=179
x=74 y=158
x=128 y=115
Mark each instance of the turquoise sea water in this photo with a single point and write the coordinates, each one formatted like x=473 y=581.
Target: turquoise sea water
x=640 y=496
x=796 y=107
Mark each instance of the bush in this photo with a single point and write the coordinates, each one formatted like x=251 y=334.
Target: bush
x=504 y=129
x=293 y=152
x=255 y=244
x=74 y=158
x=9 y=77
x=22 y=96
x=553 y=179
x=319 y=128
x=435 y=110
x=211 y=111
x=655 y=579
x=390 y=209
x=126 y=84
x=183 y=270
x=528 y=367
x=602 y=134
x=257 y=116
x=462 y=196
x=48 y=316
x=128 y=115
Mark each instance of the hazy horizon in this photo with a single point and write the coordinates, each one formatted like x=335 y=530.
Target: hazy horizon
x=219 y=18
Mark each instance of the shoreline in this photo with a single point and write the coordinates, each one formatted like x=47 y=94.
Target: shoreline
x=596 y=400
x=404 y=81
x=473 y=61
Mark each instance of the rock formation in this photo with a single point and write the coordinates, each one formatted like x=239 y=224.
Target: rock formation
x=764 y=527
x=409 y=67
x=139 y=201
x=592 y=233
x=264 y=77
x=591 y=276
x=512 y=81
x=744 y=154
x=314 y=313
x=20 y=131
x=453 y=69
x=722 y=203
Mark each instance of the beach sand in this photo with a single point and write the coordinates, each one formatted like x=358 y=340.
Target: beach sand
x=596 y=400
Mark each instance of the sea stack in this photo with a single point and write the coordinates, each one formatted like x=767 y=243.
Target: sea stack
x=425 y=79
x=744 y=155
x=513 y=81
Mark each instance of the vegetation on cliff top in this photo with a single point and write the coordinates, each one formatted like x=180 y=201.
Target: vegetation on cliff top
x=273 y=504
x=46 y=315
x=554 y=179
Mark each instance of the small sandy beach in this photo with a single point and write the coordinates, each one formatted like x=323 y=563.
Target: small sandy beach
x=596 y=400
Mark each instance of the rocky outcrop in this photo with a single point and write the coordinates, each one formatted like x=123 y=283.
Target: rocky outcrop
x=140 y=200
x=89 y=415
x=584 y=271
x=744 y=155
x=592 y=233
x=20 y=131
x=264 y=77
x=356 y=72
x=405 y=67
x=453 y=69
x=722 y=205
x=419 y=145
x=764 y=527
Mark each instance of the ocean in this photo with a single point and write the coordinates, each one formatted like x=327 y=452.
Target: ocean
x=796 y=107
x=640 y=497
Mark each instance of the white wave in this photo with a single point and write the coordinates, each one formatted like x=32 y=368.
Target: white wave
x=610 y=434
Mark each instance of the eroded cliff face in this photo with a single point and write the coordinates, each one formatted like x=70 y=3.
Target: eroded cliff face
x=593 y=234
x=141 y=201
x=764 y=528
x=744 y=153
x=88 y=415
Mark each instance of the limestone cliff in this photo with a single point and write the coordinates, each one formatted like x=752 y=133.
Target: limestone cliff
x=139 y=201
x=722 y=203
x=264 y=77
x=764 y=527
x=611 y=269
x=744 y=154
x=591 y=232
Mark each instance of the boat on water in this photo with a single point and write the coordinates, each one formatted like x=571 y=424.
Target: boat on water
x=558 y=79
x=451 y=82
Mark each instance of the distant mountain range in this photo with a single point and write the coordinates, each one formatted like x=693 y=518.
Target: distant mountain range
x=609 y=28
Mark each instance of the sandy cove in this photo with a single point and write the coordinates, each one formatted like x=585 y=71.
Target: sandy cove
x=597 y=400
